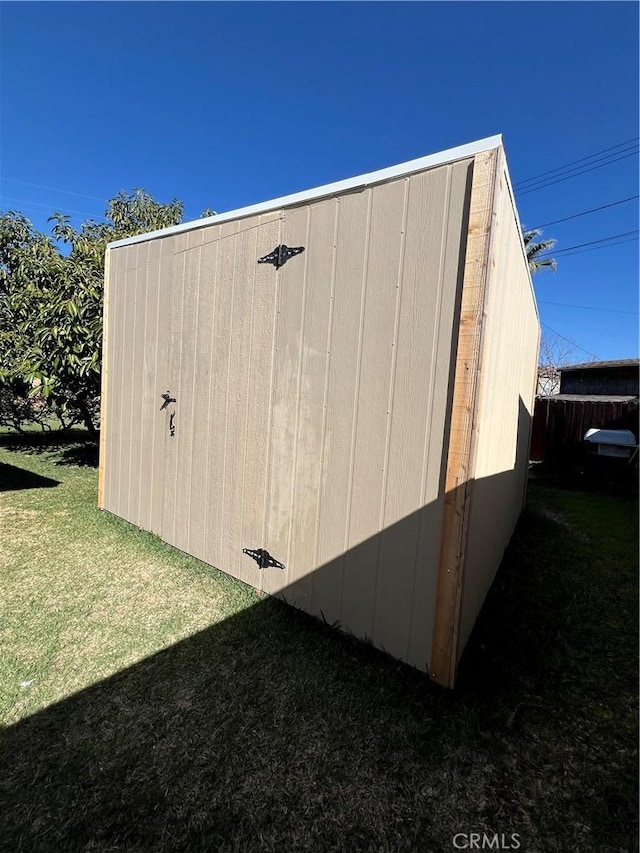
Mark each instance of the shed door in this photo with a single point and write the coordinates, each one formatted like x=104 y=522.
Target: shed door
x=221 y=342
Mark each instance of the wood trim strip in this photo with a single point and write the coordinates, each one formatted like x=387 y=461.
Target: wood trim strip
x=532 y=401
x=103 y=381
x=458 y=480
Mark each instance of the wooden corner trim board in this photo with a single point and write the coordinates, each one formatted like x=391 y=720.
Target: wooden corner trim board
x=459 y=474
x=103 y=381
x=532 y=399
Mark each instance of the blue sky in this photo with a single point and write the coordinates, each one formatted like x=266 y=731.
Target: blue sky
x=227 y=104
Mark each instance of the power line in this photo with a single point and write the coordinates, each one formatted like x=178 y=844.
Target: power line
x=53 y=189
x=605 y=246
x=579 y=170
x=575 y=170
x=590 y=243
x=575 y=162
x=573 y=344
x=543 y=186
x=587 y=307
x=585 y=212
x=28 y=203
x=31 y=213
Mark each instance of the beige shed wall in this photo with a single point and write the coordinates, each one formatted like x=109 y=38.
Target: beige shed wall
x=138 y=308
x=312 y=402
x=507 y=379
x=363 y=361
x=170 y=306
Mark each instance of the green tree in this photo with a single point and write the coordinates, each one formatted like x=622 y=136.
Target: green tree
x=24 y=254
x=535 y=249
x=51 y=306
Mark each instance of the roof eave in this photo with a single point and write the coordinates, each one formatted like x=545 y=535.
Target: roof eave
x=431 y=161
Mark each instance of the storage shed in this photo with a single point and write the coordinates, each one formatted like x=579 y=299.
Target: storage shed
x=329 y=395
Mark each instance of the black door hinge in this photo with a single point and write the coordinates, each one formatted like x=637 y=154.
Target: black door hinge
x=280 y=255
x=263 y=558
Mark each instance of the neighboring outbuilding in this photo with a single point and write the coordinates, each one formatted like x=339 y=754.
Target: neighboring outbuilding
x=329 y=395
x=619 y=378
x=593 y=395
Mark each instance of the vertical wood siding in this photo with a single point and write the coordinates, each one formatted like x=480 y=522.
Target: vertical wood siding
x=321 y=221
x=343 y=347
x=175 y=386
x=421 y=404
x=313 y=401
x=219 y=347
x=136 y=351
x=361 y=387
x=505 y=409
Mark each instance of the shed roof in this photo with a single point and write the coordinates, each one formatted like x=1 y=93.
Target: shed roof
x=599 y=365
x=359 y=182
x=590 y=398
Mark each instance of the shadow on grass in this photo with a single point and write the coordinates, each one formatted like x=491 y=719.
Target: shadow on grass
x=72 y=446
x=13 y=479
x=271 y=732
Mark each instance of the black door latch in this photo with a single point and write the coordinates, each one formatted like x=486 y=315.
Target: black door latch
x=281 y=255
x=167 y=399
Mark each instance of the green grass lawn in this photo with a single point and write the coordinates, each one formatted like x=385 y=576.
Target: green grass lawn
x=153 y=704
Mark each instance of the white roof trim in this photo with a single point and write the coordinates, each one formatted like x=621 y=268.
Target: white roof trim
x=359 y=182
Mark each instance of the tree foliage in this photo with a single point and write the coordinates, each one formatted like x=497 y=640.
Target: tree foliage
x=535 y=248
x=51 y=291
